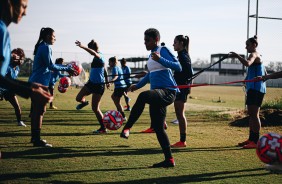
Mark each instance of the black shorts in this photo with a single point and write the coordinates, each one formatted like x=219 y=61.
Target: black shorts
x=119 y=92
x=182 y=95
x=95 y=88
x=254 y=97
x=6 y=94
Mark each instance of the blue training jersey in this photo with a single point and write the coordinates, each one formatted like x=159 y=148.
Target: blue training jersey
x=119 y=82
x=13 y=72
x=5 y=48
x=97 y=70
x=43 y=65
x=256 y=70
x=126 y=75
x=55 y=77
x=160 y=75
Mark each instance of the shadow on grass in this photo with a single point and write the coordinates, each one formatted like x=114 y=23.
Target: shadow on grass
x=120 y=150
x=213 y=176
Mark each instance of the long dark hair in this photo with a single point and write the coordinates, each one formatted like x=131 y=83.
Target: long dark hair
x=44 y=32
x=185 y=40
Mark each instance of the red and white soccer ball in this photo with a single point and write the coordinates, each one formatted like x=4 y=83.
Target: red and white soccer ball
x=61 y=89
x=77 y=68
x=65 y=82
x=112 y=120
x=269 y=148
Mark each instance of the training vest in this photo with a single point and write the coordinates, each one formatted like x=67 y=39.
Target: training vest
x=153 y=65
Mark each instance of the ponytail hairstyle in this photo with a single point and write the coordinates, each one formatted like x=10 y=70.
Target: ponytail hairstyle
x=93 y=45
x=44 y=32
x=253 y=40
x=185 y=41
x=59 y=61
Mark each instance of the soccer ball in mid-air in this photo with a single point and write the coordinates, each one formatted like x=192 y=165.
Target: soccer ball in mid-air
x=61 y=89
x=112 y=120
x=269 y=148
x=76 y=67
x=65 y=82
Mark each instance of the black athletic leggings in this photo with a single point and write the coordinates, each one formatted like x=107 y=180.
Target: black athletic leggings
x=158 y=99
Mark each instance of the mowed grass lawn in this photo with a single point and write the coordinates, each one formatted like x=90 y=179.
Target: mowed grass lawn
x=78 y=156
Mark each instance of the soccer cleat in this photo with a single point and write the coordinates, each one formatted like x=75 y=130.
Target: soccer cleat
x=100 y=131
x=53 y=107
x=175 y=121
x=251 y=145
x=179 y=145
x=165 y=164
x=41 y=143
x=81 y=105
x=21 y=123
x=128 y=108
x=149 y=130
x=125 y=133
x=244 y=143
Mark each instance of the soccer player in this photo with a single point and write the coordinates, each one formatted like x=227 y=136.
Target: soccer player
x=255 y=90
x=181 y=45
x=54 y=78
x=13 y=11
x=13 y=70
x=161 y=94
x=41 y=73
x=95 y=84
x=120 y=86
x=126 y=75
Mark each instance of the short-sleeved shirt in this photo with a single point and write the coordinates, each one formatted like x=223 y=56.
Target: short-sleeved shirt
x=119 y=83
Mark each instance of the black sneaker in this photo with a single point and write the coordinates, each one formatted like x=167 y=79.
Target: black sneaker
x=125 y=133
x=41 y=143
x=165 y=164
x=81 y=105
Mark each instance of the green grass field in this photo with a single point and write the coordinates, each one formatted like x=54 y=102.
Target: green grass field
x=78 y=156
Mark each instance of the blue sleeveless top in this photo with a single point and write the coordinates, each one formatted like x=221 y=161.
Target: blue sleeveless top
x=256 y=70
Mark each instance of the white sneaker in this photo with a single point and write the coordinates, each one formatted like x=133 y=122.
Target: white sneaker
x=175 y=121
x=21 y=123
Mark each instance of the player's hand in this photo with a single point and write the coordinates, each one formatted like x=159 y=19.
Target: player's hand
x=40 y=94
x=232 y=54
x=261 y=78
x=132 y=88
x=78 y=43
x=155 y=56
x=108 y=85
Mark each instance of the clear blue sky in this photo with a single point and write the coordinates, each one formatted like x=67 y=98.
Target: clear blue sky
x=214 y=26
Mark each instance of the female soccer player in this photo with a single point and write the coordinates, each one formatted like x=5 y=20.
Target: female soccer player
x=126 y=75
x=161 y=94
x=120 y=86
x=13 y=11
x=95 y=84
x=255 y=90
x=181 y=45
x=12 y=73
x=41 y=73
x=54 y=78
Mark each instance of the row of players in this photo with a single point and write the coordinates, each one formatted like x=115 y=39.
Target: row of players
x=161 y=62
